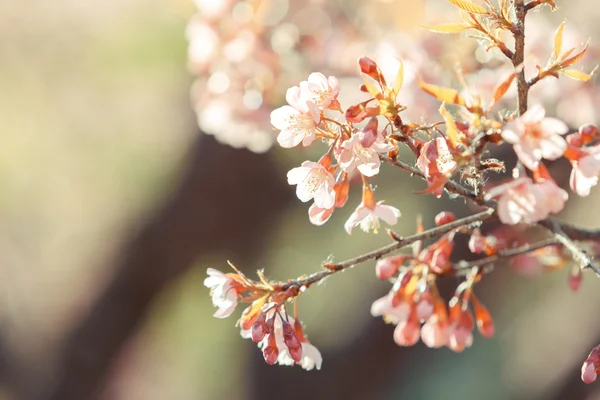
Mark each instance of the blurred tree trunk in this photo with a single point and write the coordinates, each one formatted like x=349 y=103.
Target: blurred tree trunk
x=227 y=199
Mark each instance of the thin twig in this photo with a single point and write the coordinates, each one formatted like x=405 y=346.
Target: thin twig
x=550 y=223
x=470 y=221
x=579 y=256
x=503 y=254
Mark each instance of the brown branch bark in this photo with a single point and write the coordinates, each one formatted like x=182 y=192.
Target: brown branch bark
x=519 y=56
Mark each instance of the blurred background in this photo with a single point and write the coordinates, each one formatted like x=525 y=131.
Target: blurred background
x=137 y=153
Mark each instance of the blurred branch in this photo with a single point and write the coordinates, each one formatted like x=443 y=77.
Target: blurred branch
x=227 y=199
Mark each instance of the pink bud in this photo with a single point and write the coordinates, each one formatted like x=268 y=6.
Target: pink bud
x=270 y=351
x=575 y=277
x=591 y=366
x=588 y=373
x=291 y=341
x=476 y=242
x=424 y=308
x=369 y=67
x=444 y=218
x=259 y=329
x=270 y=354
x=589 y=133
x=369 y=133
x=356 y=113
x=296 y=353
x=388 y=267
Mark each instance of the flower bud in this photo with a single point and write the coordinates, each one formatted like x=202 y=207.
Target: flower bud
x=589 y=133
x=291 y=341
x=575 y=277
x=259 y=328
x=388 y=267
x=476 y=242
x=444 y=218
x=369 y=133
x=369 y=67
x=270 y=351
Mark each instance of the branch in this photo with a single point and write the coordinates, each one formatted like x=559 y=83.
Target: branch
x=519 y=56
x=471 y=221
x=579 y=256
x=503 y=254
x=554 y=225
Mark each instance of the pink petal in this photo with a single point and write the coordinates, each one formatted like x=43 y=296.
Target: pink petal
x=553 y=147
x=387 y=213
x=530 y=156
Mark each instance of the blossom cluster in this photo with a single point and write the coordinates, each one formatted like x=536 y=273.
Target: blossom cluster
x=265 y=321
x=452 y=155
x=414 y=298
x=311 y=114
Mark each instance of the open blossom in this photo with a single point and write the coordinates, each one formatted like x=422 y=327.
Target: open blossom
x=591 y=367
x=224 y=292
x=313 y=181
x=297 y=122
x=586 y=168
x=522 y=200
x=318 y=216
x=322 y=91
x=437 y=163
x=362 y=150
x=535 y=137
x=368 y=213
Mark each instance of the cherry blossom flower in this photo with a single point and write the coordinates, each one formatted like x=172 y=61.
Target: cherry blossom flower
x=408 y=331
x=437 y=163
x=392 y=314
x=313 y=181
x=434 y=330
x=591 y=367
x=460 y=331
x=535 y=137
x=551 y=199
x=285 y=343
x=522 y=200
x=362 y=150
x=586 y=168
x=368 y=213
x=322 y=91
x=318 y=216
x=223 y=289
x=388 y=266
x=433 y=333
x=297 y=121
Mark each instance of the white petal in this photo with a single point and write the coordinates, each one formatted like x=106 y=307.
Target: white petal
x=387 y=213
x=554 y=126
x=506 y=215
x=297 y=175
x=535 y=113
x=553 y=147
x=290 y=138
x=280 y=116
x=528 y=155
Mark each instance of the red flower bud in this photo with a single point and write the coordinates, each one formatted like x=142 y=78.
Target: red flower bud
x=369 y=67
x=259 y=329
x=388 y=267
x=270 y=352
x=444 y=218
